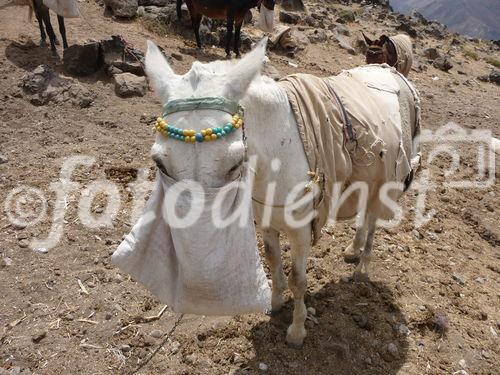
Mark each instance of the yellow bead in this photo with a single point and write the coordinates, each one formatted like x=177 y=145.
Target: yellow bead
x=209 y=131
x=237 y=125
x=159 y=119
x=240 y=121
x=193 y=139
x=207 y=138
x=192 y=133
x=203 y=132
x=214 y=136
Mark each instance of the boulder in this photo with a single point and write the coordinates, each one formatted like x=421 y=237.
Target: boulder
x=317 y=36
x=346 y=16
x=493 y=77
x=82 y=59
x=443 y=63
x=344 y=43
x=38 y=80
x=293 y=5
x=116 y=54
x=407 y=28
x=45 y=86
x=129 y=85
x=436 y=30
x=431 y=53
x=122 y=8
x=156 y=3
x=289 y=17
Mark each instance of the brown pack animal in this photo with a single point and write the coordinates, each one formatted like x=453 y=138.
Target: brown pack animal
x=395 y=51
x=43 y=17
x=233 y=11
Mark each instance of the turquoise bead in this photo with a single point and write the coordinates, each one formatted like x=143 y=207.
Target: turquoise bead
x=219 y=135
x=222 y=133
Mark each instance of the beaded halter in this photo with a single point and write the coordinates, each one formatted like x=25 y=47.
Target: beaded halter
x=204 y=135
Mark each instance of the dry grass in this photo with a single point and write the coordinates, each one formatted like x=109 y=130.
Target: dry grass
x=471 y=55
x=493 y=61
x=154 y=26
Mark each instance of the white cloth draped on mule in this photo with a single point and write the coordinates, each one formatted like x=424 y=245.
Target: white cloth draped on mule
x=65 y=8
x=204 y=268
x=404 y=51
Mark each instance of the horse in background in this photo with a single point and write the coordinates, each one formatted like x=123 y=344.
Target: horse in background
x=395 y=51
x=233 y=11
x=42 y=15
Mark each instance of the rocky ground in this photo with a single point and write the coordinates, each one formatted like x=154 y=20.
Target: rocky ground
x=432 y=306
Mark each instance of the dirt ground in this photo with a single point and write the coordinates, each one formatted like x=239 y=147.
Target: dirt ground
x=431 y=307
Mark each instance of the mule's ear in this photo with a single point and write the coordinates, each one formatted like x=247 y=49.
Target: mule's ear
x=384 y=39
x=159 y=72
x=245 y=71
x=368 y=41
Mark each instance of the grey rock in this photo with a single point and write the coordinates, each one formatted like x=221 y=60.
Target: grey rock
x=129 y=85
x=407 y=28
x=39 y=336
x=493 y=77
x=431 y=53
x=122 y=8
x=118 y=57
x=157 y=334
x=3 y=159
x=344 y=43
x=38 y=80
x=293 y=5
x=82 y=59
x=289 y=17
x=317 y=36
x=392 y=349
x=458 y=278
x=157 y=3
x=443 y=63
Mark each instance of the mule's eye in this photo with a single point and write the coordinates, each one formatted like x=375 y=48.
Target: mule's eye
x=160 y=165
x=234 y=168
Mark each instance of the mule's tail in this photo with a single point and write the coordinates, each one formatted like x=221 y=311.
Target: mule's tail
x=179 y=10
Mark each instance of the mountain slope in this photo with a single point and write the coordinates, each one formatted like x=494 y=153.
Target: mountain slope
x=477 y=18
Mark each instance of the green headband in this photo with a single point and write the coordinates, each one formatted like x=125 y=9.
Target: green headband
x=218 y=103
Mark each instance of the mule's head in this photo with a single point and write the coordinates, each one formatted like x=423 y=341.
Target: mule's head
x=376 y=53
x=211 y=163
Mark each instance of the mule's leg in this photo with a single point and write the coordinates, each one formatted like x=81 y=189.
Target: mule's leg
x=62 y=30
x=362 y=270
x=273 y=257
x=353 y=251
x=300 y=242
x=196 y=21
x=237 y=37
x=50 y=31
x=38 y=14
x=229 y=33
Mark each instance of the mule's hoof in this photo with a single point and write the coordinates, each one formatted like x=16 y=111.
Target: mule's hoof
x=294 y=345
x=295 y=339
x=351 y=258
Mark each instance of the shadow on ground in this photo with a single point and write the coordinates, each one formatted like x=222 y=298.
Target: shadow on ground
x=359 y=330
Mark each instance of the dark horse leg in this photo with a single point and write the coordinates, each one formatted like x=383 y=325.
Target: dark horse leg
x=229 y=33
x=43 y=35
x=237 y=36
x=195 y=19
x=62 y=30
x=42 y=12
